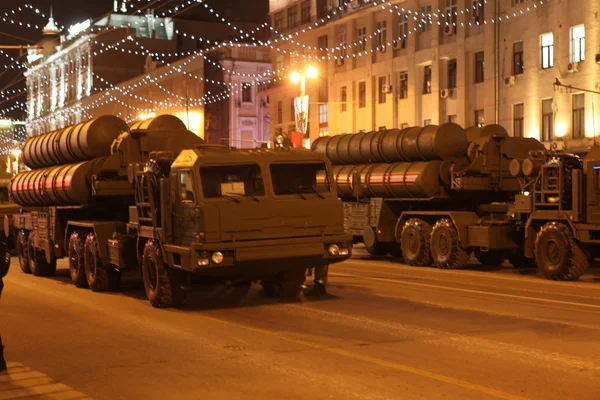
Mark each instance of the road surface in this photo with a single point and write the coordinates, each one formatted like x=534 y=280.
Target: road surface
x=386 y=331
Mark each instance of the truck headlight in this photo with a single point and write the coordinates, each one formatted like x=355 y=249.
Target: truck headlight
x=217 y=257
x=334 y=250
x=343 y=252
x=203 y=262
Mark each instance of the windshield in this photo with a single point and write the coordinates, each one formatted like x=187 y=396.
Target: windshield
x=231 y=180
x=295 y=178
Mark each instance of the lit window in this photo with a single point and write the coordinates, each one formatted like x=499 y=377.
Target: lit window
x=427 y=79
x=547 y=50
x=578 y=115
x=426 y=19
x=381 y=34
x=362 y=38
x=547 y=120
x=518 y=67
x=323 y=114
x=479 y=118
x=518 y=118
x=362 y=94
x=577 y=43
x=403 y=85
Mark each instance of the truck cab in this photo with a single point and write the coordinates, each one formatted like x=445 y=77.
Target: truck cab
x=242 y=215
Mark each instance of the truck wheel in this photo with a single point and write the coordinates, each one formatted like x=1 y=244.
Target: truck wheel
x=99 y=277
x=415 y=241
x=446 y=249
x=37 y=260
x=22 y=252
x=491 y=257
x=163 y=285
x=77 y=259
x=557 y=254
x=286 y=284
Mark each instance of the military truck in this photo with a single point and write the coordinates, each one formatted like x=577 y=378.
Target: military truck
x=155 y=198
x=436 y=195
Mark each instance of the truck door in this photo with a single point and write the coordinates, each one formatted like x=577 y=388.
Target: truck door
x=592 y=193
x=186 y=223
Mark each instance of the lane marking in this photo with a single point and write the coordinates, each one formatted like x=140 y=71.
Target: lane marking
x=495 y=275
x=359 y=270
x=512 y=296
x=383 y=363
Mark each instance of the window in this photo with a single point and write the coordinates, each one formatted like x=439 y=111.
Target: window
x=427 y=79
x=403 y=29
x=186 y=187
x=452 y=74
x=577 y=43
x=479 y=118
x=343 y=98
x=292 y=15
x=305 y=12
x=547 y=120
x=479 y=65
x=342 y=45
x=278 y=23
x=452 y=118
x=403 y=85
x=451 y=14
x=381 y=89
x=279 y=64
x=279 y=112
x=362 y=94
x=547 y=50
x=578 y=115
x=518 y=67
x=247 y=94
x=426 y=122
x=322 y=44
x=231 y=181
x=362 y=38
x=426 y=19
x=518 y=120
x=323 y=114
x=299 y=179
x=478 y=10
x=381 y=34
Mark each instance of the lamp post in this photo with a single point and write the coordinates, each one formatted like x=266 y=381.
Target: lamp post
x=301 y=103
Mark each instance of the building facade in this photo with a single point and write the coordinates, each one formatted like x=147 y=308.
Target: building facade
x=142 y=67
x=533 y=66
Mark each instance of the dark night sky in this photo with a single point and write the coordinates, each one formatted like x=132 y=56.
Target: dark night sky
x=68 y=12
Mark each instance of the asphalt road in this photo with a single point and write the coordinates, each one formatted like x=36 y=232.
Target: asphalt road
x=385 y=331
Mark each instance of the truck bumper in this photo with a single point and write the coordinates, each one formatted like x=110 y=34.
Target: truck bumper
x=265 y=255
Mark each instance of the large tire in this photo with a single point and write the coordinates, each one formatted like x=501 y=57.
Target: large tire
x=557 y=254
x=415 y=241
x=100 y=277
x=23 y=251
x=446 y=249
x=163 y=285
x=37 y=260
x=286 y=284
x=492 y=258
x=77 y=259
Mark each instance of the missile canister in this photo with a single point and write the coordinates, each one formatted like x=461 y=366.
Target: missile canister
x=81 y=142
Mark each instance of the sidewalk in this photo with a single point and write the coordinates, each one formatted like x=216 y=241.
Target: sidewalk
x=20 y=382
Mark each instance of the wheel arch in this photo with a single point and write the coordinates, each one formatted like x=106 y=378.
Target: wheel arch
x=103 y=230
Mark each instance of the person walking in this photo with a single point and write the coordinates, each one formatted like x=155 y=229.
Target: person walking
x=4 y=265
